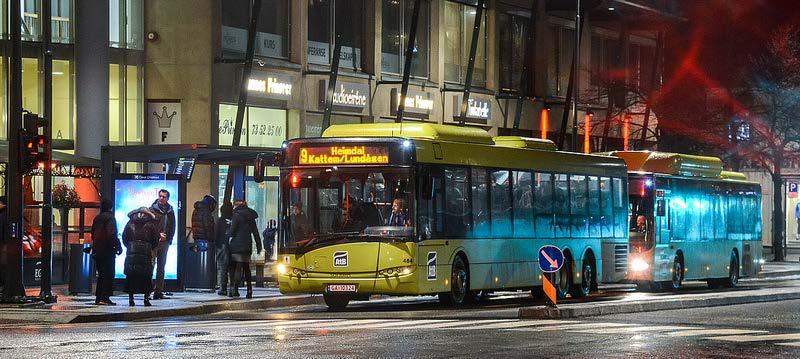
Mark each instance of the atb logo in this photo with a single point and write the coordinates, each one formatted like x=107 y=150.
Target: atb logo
x=431 y=265
x=340 y=259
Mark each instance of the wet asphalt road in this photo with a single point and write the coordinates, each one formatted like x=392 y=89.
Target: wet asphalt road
x=418 y=327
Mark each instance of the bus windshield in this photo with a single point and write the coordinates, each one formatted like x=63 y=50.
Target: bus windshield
x=640 y=195
x=335 y=205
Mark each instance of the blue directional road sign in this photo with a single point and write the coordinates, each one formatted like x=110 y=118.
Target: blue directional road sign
x=550 y=259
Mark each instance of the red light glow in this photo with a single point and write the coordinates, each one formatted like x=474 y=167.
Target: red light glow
x=544 y=121
x=587 y=133
x=295 y=181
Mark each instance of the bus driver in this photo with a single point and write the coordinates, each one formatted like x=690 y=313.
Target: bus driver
x=398 y=215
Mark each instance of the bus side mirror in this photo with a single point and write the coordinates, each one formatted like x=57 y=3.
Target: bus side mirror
x=661 y=211
x=426 y=187
x=261 y=167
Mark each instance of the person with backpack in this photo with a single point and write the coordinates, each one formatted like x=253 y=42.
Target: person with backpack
x=203 y=220
x=105 y=248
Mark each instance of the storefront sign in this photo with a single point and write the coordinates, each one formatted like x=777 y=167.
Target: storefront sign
x=272 y=86
x=418 y=104
x=343 y=155
x=320 y=53
x=478 y=110
x=235 y=39
x=163 y=122
x=262 y=127
x=348 y=95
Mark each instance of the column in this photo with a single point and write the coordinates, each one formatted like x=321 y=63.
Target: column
x=91 y=59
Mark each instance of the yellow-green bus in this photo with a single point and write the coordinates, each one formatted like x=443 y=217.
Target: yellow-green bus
x=426 y=209
x=690 y=220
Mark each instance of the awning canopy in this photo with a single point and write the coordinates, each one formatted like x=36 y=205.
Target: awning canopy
x=202 y=154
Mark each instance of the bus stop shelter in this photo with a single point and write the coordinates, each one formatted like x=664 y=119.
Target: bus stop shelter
x=193 y=269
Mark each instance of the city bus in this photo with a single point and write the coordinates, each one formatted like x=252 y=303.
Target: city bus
x=690 y=220
x=428 y=209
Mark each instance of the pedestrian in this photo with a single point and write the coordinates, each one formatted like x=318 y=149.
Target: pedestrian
x=165 y=216
x=140 y=237
x=222 y=253
x=269 y=239
x=105 y=249
x=242 y=233
x=203 y=219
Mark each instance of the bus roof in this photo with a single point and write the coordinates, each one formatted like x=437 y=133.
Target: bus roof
x=677 y=164
x=412 y=130
x=471 y=146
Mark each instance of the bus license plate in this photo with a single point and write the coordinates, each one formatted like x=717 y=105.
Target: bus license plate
x=341 y=288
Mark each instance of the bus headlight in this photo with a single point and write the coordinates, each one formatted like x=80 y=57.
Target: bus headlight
x=397 y=271
x=639 y=265
x=281 y=268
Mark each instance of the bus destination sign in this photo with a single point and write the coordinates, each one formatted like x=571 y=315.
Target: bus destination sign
x=344 y=155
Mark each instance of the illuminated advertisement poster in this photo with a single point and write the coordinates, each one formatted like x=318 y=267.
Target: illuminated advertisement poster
x=142 y=191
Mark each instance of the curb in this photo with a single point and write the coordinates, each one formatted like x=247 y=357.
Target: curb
x=199 y=310
x=67 y=317
x=777 y=274
x=651 y=306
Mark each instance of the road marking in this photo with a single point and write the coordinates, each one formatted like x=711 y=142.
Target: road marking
x=792 y=344
x=714 y=332
x=326 y=326
x=636 y=329
x=393 y=324
x=757 y=338
x=519 y=324
x=576 y=326
x=462 y=324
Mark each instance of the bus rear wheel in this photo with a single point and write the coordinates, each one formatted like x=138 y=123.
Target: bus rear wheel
x=336 y=302
x=583 y=289
x=459 y=293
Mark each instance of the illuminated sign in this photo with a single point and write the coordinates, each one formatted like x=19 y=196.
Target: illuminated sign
x=478 y=110
x=343 y=155
x=345 y=95
x=417 y=105
x=271 y=86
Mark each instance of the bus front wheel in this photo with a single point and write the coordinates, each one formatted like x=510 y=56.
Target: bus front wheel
x=677 y=273
x=459 y=293
x=336 y=302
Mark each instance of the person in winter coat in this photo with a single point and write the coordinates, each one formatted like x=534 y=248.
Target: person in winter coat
x=242 y=233
x=203 y=219
x=105 y=249
x=165 y=216
x=268 y=236
x=222 y=253
x=140 y=236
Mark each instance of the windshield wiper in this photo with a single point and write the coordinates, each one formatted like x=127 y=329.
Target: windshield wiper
x=328 y=237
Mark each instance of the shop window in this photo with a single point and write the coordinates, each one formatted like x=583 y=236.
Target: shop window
x=604 y=51
x=125 y=109
x=559 y=62
x=272 y=29
x=396 y=21
x=459 y=20
x=63 y=111
x=512 y=29
x=641 y=59
x=326 y=18
x=126 y=24
x=31 y=26
x=313 y=123
x=262 y=127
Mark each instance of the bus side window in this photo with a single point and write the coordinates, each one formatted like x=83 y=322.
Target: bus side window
x=481 y=222
x=543 y=205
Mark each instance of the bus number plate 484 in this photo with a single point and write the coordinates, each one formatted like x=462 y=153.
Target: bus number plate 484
x=342 y=288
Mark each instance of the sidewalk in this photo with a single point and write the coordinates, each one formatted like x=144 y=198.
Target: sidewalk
x=780 y=269
x=81 y=308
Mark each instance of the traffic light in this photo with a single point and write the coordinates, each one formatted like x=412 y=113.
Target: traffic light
x=36 y=147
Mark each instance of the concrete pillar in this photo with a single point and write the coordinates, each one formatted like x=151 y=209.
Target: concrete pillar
x=91 y=76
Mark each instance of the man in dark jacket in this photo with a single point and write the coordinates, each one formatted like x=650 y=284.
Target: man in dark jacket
x=105 y=248
x=222 y=253
x=242 y=233
x=165 y=217
x=203 y=219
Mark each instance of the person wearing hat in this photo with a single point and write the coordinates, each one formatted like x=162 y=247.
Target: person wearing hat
x=203 y=219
